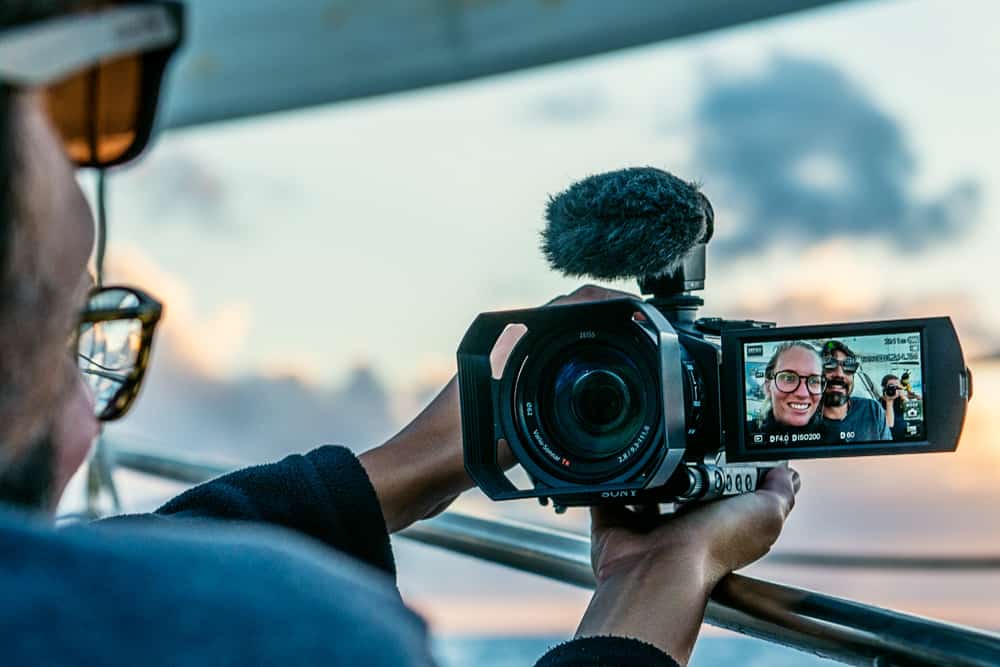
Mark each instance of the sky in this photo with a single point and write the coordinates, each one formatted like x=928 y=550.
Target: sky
x=319 y=267
x=360 y=222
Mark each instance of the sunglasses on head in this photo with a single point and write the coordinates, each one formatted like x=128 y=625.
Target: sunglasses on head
x=112 y=346
x=849 y=364
x=99 y=72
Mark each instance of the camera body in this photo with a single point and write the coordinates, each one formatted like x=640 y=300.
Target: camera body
x=641 y=402
x=623 y=401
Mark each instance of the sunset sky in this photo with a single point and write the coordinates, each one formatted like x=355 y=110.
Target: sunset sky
x=320 y=267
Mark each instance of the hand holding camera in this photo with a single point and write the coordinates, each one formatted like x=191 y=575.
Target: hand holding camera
x=652 y=571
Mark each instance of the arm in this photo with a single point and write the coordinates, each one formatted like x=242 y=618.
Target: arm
x=890 y=412
x=418 y=472
x=324 y=494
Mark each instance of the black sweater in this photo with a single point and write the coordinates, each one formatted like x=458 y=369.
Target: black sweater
x=327 y=496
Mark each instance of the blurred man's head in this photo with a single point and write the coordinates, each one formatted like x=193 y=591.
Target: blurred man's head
x=46 y=230
x=839 y=366
x=46 y=233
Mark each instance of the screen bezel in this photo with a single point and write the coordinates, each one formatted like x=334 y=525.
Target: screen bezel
x=944 y=389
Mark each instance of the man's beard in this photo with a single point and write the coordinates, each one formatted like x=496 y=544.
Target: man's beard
x=835 y=399
x=28 y=480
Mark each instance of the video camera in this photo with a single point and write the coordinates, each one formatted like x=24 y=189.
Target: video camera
x=643 y=402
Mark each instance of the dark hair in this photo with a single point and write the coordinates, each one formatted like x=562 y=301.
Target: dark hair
x=886 y=378
x=831 y=346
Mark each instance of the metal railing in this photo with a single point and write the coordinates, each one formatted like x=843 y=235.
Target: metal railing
x=827 y=626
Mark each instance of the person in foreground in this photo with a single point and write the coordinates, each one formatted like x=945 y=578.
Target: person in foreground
x=285 y=562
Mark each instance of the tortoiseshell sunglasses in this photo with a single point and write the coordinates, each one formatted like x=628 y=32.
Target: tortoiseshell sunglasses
x=113 y=342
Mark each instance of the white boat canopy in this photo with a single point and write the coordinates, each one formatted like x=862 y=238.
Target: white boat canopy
x=249 y=58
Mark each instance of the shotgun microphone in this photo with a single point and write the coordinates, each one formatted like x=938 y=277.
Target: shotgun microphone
x=632 y=223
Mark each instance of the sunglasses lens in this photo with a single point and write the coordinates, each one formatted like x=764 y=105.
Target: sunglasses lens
x=97 y=112
x=850 y=364
x=108 y=351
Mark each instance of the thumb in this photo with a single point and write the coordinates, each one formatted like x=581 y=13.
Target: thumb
x=784 y=482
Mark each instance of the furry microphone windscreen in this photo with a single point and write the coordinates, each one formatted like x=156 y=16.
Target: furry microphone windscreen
x=625 y=224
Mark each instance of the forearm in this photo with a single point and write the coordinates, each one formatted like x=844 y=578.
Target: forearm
x=416 y=473
x=641 y=603
x=324 y=494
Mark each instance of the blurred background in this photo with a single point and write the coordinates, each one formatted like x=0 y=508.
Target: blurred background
x=319 y=268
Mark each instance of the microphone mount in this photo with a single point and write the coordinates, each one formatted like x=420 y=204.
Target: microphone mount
x=671 y=292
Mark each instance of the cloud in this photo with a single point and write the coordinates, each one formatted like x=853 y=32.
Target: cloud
x=194 y=180
x=803 y=154
x=193 y=403
x=178 y=186
x=256 y=417
x=207 y=342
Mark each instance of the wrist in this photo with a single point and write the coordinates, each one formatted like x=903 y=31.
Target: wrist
x=660 y=601
x=687 y=553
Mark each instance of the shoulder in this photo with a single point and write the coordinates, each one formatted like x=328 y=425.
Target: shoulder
x=232 y=596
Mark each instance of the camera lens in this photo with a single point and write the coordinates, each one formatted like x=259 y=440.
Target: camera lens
x=890 y=390
x=587 y=404
x=600 y=400
x=596 y=405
